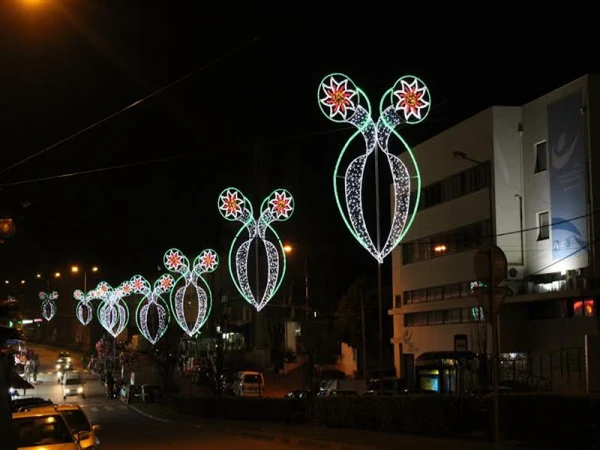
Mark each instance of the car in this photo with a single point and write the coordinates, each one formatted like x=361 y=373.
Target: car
x=44 y=428
x=64 y=362
x=73 y=385
x=61 y=373
x=79 y=423
x=23 y=404
x=249 y=384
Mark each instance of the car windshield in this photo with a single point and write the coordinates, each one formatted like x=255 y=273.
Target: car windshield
x=77 y=420
x=42 y=430
x=73 y=381
x=63 y=355
x=252 y=379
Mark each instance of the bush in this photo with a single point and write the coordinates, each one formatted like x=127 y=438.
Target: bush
x=545 y=421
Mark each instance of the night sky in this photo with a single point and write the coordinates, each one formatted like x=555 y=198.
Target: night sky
x=247 y=116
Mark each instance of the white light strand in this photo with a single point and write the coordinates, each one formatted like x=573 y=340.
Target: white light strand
x=83 y=309
x=234 y=206
x=152 y=298
x=113 y=312
x=48 y=304
x=339 y=99
x=191 y=276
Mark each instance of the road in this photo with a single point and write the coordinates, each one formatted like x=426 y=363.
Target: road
x=123 y=428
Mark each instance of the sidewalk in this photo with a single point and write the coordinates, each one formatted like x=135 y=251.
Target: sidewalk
x=316 y=437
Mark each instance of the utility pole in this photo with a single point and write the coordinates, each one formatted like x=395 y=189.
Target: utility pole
x=364 y=335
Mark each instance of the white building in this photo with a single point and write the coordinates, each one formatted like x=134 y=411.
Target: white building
x=541 y=155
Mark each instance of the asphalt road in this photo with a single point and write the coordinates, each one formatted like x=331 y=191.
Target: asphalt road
x=123 y=428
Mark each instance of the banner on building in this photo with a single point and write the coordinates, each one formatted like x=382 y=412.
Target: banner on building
x=568 y=181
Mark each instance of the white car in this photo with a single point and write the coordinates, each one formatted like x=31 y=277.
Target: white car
x=73 y=385
x=249 y=384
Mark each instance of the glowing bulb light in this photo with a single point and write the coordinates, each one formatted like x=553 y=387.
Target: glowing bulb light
x=277 y=207
x=48 y=304
x=113 y=312
x=84 y=310
x=152 y=298
x=191 y=275
x=407 y=102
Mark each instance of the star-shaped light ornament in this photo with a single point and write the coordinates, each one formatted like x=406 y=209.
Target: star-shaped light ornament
x=231 y=204
x=338 y=97
x=411 y=99
x=173 y=260
x=281 y=205
x=166 y=283
x=208 y=260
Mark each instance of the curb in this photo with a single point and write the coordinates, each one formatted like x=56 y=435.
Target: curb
x=263 y=436
x=294 y=441
x=148 y=416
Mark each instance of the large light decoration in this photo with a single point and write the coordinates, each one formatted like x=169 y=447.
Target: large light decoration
x=278 y=206
x=113 y=312
x=152 y=298
x=48 y=304
x=84 y=310
x=191 y=276
x=407 y=102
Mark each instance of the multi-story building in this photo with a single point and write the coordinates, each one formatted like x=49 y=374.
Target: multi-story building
x=521 y=178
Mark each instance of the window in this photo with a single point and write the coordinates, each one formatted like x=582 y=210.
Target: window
x=584 y=308
x=543 y=226
x=541 y=157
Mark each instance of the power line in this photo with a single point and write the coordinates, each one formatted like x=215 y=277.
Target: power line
x=134 y=104
x=102 y=169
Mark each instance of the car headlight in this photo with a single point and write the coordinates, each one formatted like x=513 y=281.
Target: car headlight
x=79 y=390
x=57 y=366
x=67 y=390
x=59 y=374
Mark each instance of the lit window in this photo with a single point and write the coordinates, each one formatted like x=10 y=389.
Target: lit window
x=543 y=226
x=541 y=157
x=584 y=308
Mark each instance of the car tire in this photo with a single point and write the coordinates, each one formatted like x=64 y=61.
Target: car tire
x=64 y=397
x=83 y=397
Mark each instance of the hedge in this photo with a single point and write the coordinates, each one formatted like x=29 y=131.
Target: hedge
x=540 y=421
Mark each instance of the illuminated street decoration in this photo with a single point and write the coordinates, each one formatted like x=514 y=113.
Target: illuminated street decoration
x=152 y=298
x=234 y=206
x=48 y=304
x=407 y=102
x=113 y=312
x=191 y=276
x=84 y=310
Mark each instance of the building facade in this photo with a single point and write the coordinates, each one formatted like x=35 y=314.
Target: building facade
x=521 y=178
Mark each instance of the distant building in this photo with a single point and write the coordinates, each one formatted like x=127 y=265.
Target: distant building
x=536 y=164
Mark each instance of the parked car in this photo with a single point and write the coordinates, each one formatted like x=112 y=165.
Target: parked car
x=46 y=428
x=73 y=385
x=79 y=423
x=249 y=384
x=23 y=404
x=387 y=387
x=297 y=394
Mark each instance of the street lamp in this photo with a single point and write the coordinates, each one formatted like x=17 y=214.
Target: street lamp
x=493 y=310
x=287 y=248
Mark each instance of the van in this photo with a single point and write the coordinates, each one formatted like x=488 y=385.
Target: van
x=249 y=384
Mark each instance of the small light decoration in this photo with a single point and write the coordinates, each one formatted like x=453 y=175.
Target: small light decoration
x=206 y=262
x=84 y=310
x=407 y=102
x=278 y=206
x=48 y=304
x=152 y=297
x=113 y=312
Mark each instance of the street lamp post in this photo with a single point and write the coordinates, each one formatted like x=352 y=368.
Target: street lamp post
x=493 y=309
x=75 y=270
x=289 y=249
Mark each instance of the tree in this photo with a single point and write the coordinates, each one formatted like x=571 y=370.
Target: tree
x=277 y=312
x=8 y=310
x=361 y=295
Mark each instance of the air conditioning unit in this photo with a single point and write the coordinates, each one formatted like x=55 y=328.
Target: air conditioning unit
x=516 y=272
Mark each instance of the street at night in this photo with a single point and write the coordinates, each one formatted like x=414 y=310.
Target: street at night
x=271 y=225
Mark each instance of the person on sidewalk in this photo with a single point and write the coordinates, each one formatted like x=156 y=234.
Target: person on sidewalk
x=27 y=370
x=35 y=367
